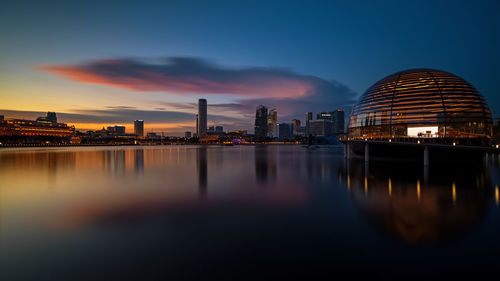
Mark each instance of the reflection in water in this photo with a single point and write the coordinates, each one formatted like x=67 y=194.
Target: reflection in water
x=201 y=160
x=397 y=202
x=496 y=195
x=139 y=161
x=308 y=214
x=116 y=162
x=265 y=163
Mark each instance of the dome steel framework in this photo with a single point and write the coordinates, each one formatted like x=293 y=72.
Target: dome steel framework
x=421 y=103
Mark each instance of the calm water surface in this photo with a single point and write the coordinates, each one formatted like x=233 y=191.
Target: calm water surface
x=242 y=212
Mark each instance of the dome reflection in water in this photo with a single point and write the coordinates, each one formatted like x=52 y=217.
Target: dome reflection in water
x=418 y=205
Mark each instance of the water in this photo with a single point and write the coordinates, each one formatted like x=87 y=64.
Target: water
x=241 y=212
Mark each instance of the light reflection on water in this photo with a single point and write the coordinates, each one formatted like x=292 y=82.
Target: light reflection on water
x=219 y=212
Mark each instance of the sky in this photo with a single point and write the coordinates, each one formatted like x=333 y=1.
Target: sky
x=99 y=63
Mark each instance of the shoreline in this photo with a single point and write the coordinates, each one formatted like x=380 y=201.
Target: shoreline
x=5 y=146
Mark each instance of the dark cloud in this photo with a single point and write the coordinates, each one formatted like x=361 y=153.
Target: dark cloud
x=181 y=75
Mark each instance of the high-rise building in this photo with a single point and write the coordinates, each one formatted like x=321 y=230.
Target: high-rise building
x=216 y=129
x=202 y=117
x=338 y=121
x=261 y=123
x=284 y=131
x=309 y=117
x=272 y=121
x=295 y=126
x=325 y=115
x=139 y=128
x=187 y=135
x=321 y=127
x=120 y=130
x=337 y=118
x=116 y=130
x=197 y=127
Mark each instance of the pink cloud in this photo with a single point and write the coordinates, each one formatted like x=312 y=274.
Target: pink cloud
x=190 y=76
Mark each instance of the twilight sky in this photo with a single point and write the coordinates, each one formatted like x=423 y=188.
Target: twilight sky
x=98 y=63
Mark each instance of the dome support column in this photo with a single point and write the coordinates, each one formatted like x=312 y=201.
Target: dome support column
x=426 y=156
x=367 y=152
x=347 y=151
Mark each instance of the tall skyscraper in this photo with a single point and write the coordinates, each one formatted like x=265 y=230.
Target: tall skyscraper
x=309 y=117
x=295 y=126
x=272 y=121
x=202 y=117
x=197 y=127
x=139 y=128
x=338 y=119
x=261 y=123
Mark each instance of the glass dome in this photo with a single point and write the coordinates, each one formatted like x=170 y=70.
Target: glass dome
x=421 y=103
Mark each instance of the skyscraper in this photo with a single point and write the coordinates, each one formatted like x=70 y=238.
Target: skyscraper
x=272 y=121
x=309 y=117
x=261 y=123
x=338 y=119
x=295 y=126
x=139 y=128
x=284 y=131
x=197 y=126
x=202 y=117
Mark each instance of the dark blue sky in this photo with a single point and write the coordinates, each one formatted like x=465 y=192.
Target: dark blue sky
x=354 y=43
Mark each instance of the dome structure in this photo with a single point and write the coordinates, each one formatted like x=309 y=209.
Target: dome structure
x=421 y=103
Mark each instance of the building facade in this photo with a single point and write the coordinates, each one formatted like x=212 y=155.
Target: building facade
x=216 y=129
x=46 y=126
x=272 y=121
x=338 y=121
x=261 y=123
x=202 y=117
x=284 y=131
x=321 y=127
x=309 y=117
x=197 y=127
x=116 y=130
x=139 y=128
x=295 y=126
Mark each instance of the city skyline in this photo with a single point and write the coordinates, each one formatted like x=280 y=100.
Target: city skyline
x=106 y=76
x=250 y=139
